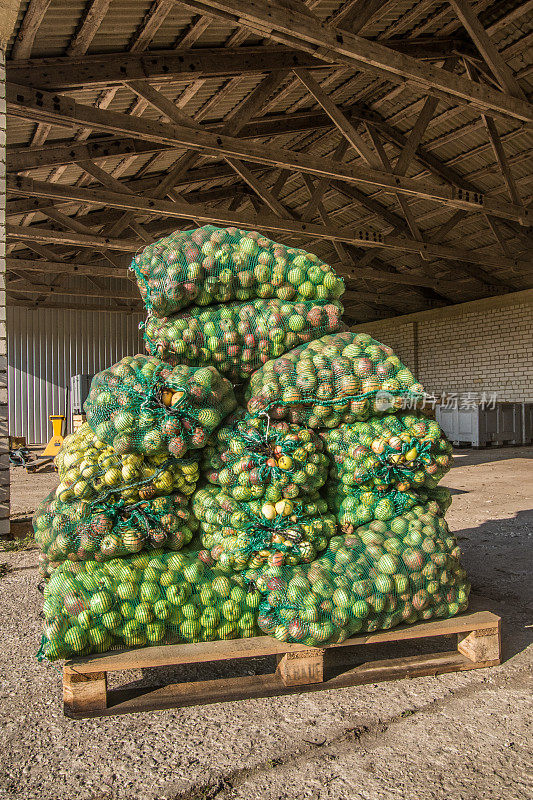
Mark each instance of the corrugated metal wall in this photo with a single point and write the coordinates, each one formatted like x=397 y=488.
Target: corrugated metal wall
x=46 y=347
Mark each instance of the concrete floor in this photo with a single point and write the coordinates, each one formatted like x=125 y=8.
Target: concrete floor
x=454 y=737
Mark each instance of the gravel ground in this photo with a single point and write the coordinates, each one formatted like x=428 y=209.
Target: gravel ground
x=454 y=737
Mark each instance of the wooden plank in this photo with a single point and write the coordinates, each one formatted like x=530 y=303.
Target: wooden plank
x=29 y=26
x=92 y=19
x=338 y=46
x=487 y=48
x=261 y=191
x=481 y=645
x=45 y=290
x=501 y=158
x=201 y=652
x=20 y=233
x=28 y=102
x=340 y=121
x=298 y=669
x=84 y=693
x=193 y=32
x=256 y=686
x=355 y=15
x=81 y=306
x=66 y=267
x=154 y=18
x=179 y=67
x=167 y=66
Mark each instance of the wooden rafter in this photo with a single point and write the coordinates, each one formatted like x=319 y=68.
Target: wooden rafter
x=58 y=267
x=177 y=210
x=182 y=66
x=24 y=101
x=486 y=47
x=294 y=27
x=91 y=21
x=28 y=29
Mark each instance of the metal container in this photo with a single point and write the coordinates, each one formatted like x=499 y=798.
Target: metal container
x=480 y=426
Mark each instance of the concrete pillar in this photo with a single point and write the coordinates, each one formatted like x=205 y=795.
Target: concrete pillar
x=4 y=441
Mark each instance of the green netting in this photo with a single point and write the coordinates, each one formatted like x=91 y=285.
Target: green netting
x=237 y=338
x=218 y=265
x=405 y=452
x=82 y=531
x=254 y=458
x=375 y=577
x=344 y=377
x=249 y=535
x=149 y=598
x=358 y=506
x=91 y=470
x=143 y=405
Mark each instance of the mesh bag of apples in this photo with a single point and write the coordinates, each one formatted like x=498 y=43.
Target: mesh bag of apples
x=310 y=513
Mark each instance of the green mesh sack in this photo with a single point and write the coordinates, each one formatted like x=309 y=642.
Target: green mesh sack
x=237 y=338
x=91 y=470
x=81 y=531
x=254 y=458
x=344 y=377
x=145 y=599
x=358 y=506
x=404 y=451
x=376 y=577
x=143 y=405
x=248 y=535
x=217 y=265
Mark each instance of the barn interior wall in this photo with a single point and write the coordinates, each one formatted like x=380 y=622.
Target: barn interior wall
x=47 y=347
x=483 y=346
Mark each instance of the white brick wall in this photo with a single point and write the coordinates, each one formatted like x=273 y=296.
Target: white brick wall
x=484 y=346
x=4 y=446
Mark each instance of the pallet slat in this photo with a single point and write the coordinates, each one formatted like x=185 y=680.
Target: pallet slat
x=172 y=655
x=299 y=668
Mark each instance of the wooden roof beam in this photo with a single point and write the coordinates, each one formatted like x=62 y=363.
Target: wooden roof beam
x=179 y=210
x=29 y=27
x=296 y=27
x=91 y=21
x=180 y=67
x=66 y=267
x=28 y=303
x=32 y=103
x=168 y=66
x=487 y=48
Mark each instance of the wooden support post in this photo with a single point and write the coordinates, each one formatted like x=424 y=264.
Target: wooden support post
x=84 y=691
x=299 y=668
x=482 y=645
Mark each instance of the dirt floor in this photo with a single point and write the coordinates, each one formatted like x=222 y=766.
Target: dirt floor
x=454 y=737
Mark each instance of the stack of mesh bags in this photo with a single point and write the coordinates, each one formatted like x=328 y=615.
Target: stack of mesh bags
x=309 y=512
x=233 y=299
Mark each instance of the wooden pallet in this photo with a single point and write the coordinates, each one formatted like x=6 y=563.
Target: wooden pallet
x=299 y=668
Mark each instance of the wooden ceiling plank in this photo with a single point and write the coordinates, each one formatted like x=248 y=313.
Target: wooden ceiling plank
x=354 y=15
